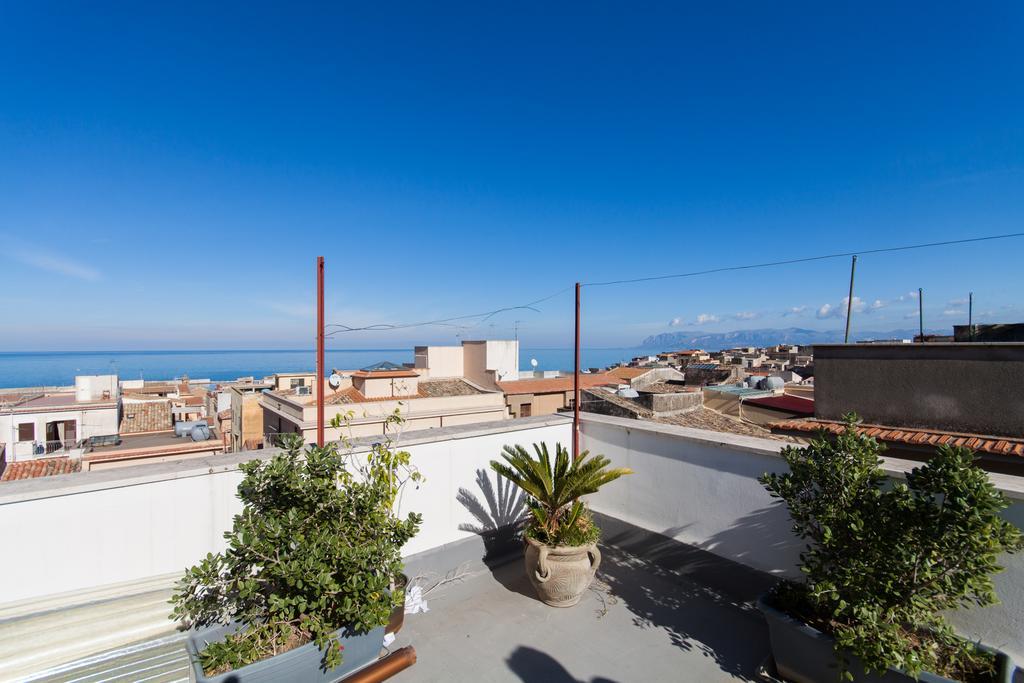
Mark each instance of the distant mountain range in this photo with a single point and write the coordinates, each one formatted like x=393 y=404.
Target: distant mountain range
x=715 y=341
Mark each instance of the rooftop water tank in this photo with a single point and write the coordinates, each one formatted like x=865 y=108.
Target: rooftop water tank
x=200 y=432
x=772 y=383
x=186 y=426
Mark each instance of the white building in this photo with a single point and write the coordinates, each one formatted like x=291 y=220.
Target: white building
x=36 y=423
x=482 y=362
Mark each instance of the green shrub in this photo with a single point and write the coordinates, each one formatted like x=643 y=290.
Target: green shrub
x=554 y=489
x=314 y=550
x=884 y=560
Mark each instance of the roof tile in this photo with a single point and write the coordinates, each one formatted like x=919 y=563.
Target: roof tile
x=980 y=443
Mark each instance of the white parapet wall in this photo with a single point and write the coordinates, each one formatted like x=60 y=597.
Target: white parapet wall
x=83 y=531
x=701 y=488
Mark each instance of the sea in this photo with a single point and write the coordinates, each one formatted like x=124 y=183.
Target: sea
x=37 y=369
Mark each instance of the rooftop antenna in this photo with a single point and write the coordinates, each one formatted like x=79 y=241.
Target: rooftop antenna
x=970 y=315
x=516 y=323
x=849 y=300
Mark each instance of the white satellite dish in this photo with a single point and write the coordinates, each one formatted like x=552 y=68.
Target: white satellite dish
x=334 y=380
x=533 y=362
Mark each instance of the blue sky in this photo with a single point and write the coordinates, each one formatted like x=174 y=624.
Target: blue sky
x=168 y=174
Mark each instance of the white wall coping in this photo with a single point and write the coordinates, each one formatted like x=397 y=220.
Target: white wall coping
x=84 y=482
x=1011 y=485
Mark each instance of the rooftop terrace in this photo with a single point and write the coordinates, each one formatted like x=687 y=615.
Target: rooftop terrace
x=690 y=540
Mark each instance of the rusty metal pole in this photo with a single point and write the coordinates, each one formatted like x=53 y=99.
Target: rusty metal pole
x=576 y=384
x=320 y=350
x=849 y=300
x=920 y=313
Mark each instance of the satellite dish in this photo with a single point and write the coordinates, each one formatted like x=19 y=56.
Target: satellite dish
x=533 y=362
x=334 y=380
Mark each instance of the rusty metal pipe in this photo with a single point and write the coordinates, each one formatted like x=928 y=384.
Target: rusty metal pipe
x=385 y=668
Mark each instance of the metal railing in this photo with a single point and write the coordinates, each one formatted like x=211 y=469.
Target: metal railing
x=43 y=449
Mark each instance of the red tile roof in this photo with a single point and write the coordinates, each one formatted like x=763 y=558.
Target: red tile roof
x=979 y=443
x=628 y=373
x=790 y=404
x=40 y=467
x=550 y=385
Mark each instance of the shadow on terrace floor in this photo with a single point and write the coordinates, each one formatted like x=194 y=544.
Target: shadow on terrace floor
x=639 y=622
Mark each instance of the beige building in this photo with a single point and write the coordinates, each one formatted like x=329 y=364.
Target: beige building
x=482 y=362
x=246 y=416
x=546 y=396
x=423 y=401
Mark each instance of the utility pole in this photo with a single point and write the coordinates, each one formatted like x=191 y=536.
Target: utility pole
x=920 y=313
x=849 y=299
x=970 y=315
x=576 y=384
x=320 y=351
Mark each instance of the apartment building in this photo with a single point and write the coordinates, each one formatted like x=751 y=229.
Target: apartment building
x=46 y=423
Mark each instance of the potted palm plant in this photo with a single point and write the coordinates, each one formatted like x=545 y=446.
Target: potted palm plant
x=883 y=561
x=560 y=533
x=307 y=583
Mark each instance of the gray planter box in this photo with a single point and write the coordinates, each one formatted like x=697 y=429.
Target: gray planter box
x=300 y=665
x=805 y=655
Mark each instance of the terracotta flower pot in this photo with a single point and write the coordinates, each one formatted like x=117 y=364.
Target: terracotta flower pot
x=560 y=574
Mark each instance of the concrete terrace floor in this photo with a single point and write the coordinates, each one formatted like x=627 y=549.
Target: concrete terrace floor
x=678 y=614
x=638 y=622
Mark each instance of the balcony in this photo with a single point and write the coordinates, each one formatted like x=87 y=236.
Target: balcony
x=690 y=540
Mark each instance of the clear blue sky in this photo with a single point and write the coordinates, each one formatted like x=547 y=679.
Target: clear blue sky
x=168 y=175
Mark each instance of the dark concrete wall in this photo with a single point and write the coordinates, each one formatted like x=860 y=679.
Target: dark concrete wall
x=975 y=388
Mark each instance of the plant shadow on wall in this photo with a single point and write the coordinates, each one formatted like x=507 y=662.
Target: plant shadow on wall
x=695 y=617
x=500 y=522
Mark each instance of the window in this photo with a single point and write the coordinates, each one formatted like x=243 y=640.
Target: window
x=26 y=432
x=526 y=410
x=298 y=383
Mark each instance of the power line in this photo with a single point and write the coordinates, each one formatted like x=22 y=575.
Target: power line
x=446 y=322
x=806 y=259
x=531 y=306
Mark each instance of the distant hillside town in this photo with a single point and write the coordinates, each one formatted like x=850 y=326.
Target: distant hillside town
x=783 y=392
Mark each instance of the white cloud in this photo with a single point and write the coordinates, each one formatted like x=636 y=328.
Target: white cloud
x=705 y=318
x=794 y=310
x=675 y=322
x=909 y=296
x=953 y=312
x=956 y=303
x=839 y=310
x=55 y=263
x=745 y=315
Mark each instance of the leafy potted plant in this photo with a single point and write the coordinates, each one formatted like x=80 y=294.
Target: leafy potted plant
x=306 y=584
x=561 y=536
x=882 y=562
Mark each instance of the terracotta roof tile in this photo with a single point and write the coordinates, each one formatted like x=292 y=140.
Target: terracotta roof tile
x=627 y=374
x=933 y=437
x=40 y=467
x=550 y=385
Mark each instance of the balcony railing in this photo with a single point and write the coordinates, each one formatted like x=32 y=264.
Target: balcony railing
x=23 y=450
